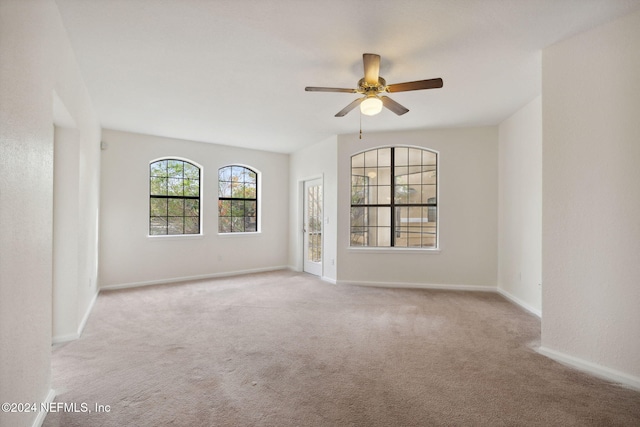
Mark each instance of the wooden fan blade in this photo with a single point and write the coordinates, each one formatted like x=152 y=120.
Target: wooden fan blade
x=417 y=85
x=349 y=107
x=328 y=89
x=393 y=105
x=371 y=68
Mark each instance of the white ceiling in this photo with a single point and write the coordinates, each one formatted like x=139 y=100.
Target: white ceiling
x=233 y=71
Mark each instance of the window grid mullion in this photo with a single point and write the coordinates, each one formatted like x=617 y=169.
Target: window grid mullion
x=393 y=197
x=242 y=177
x=424 y=234
x=165 y=215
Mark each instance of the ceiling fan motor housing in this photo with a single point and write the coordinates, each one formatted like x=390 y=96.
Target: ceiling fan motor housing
x=366 y=88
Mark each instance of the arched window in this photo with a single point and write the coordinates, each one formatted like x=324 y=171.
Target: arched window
x=174 y=197
x=237 y=200
x=394 y=198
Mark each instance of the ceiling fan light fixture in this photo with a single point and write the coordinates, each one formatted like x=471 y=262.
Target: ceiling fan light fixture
x=371 y=105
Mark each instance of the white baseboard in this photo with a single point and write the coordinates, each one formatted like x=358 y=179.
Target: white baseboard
x=329 y=280
x=189 y=278
x=43 y=414
x=592 y=368
x=446 y=287
x=59 y=339
x=323 y=278
x=83 y=322
x=519 y=302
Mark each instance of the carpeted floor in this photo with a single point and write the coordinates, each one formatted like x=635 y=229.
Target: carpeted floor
x=286 y=349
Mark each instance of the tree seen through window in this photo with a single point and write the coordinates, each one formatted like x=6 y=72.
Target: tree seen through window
x=174 y=197
x=237 y=200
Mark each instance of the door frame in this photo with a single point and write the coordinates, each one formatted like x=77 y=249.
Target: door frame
x=301 y=207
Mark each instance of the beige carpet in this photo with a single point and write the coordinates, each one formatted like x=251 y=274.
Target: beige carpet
x=286 y=349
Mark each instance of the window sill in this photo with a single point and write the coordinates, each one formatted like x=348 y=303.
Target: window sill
x=159 y=237
x=394 y=250
x=240 y=234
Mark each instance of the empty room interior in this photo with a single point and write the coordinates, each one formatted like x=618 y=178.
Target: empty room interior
x=338 y=212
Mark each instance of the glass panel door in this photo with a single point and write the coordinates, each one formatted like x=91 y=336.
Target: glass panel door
x=313 y=227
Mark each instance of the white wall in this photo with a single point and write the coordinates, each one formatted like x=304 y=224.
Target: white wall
x=75 y=228
x=37 y=60
x=129 y=256
x=66 y=216
x=318 y=160
x=468 y=213
x=520 y=207
x=591 y=198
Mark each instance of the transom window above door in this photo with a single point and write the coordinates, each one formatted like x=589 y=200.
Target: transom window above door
x=394 y=193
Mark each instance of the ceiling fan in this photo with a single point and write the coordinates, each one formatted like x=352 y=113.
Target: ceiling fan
x=372 y=85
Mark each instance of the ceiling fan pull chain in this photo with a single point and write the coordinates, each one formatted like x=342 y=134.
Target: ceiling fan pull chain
x=361 y=125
